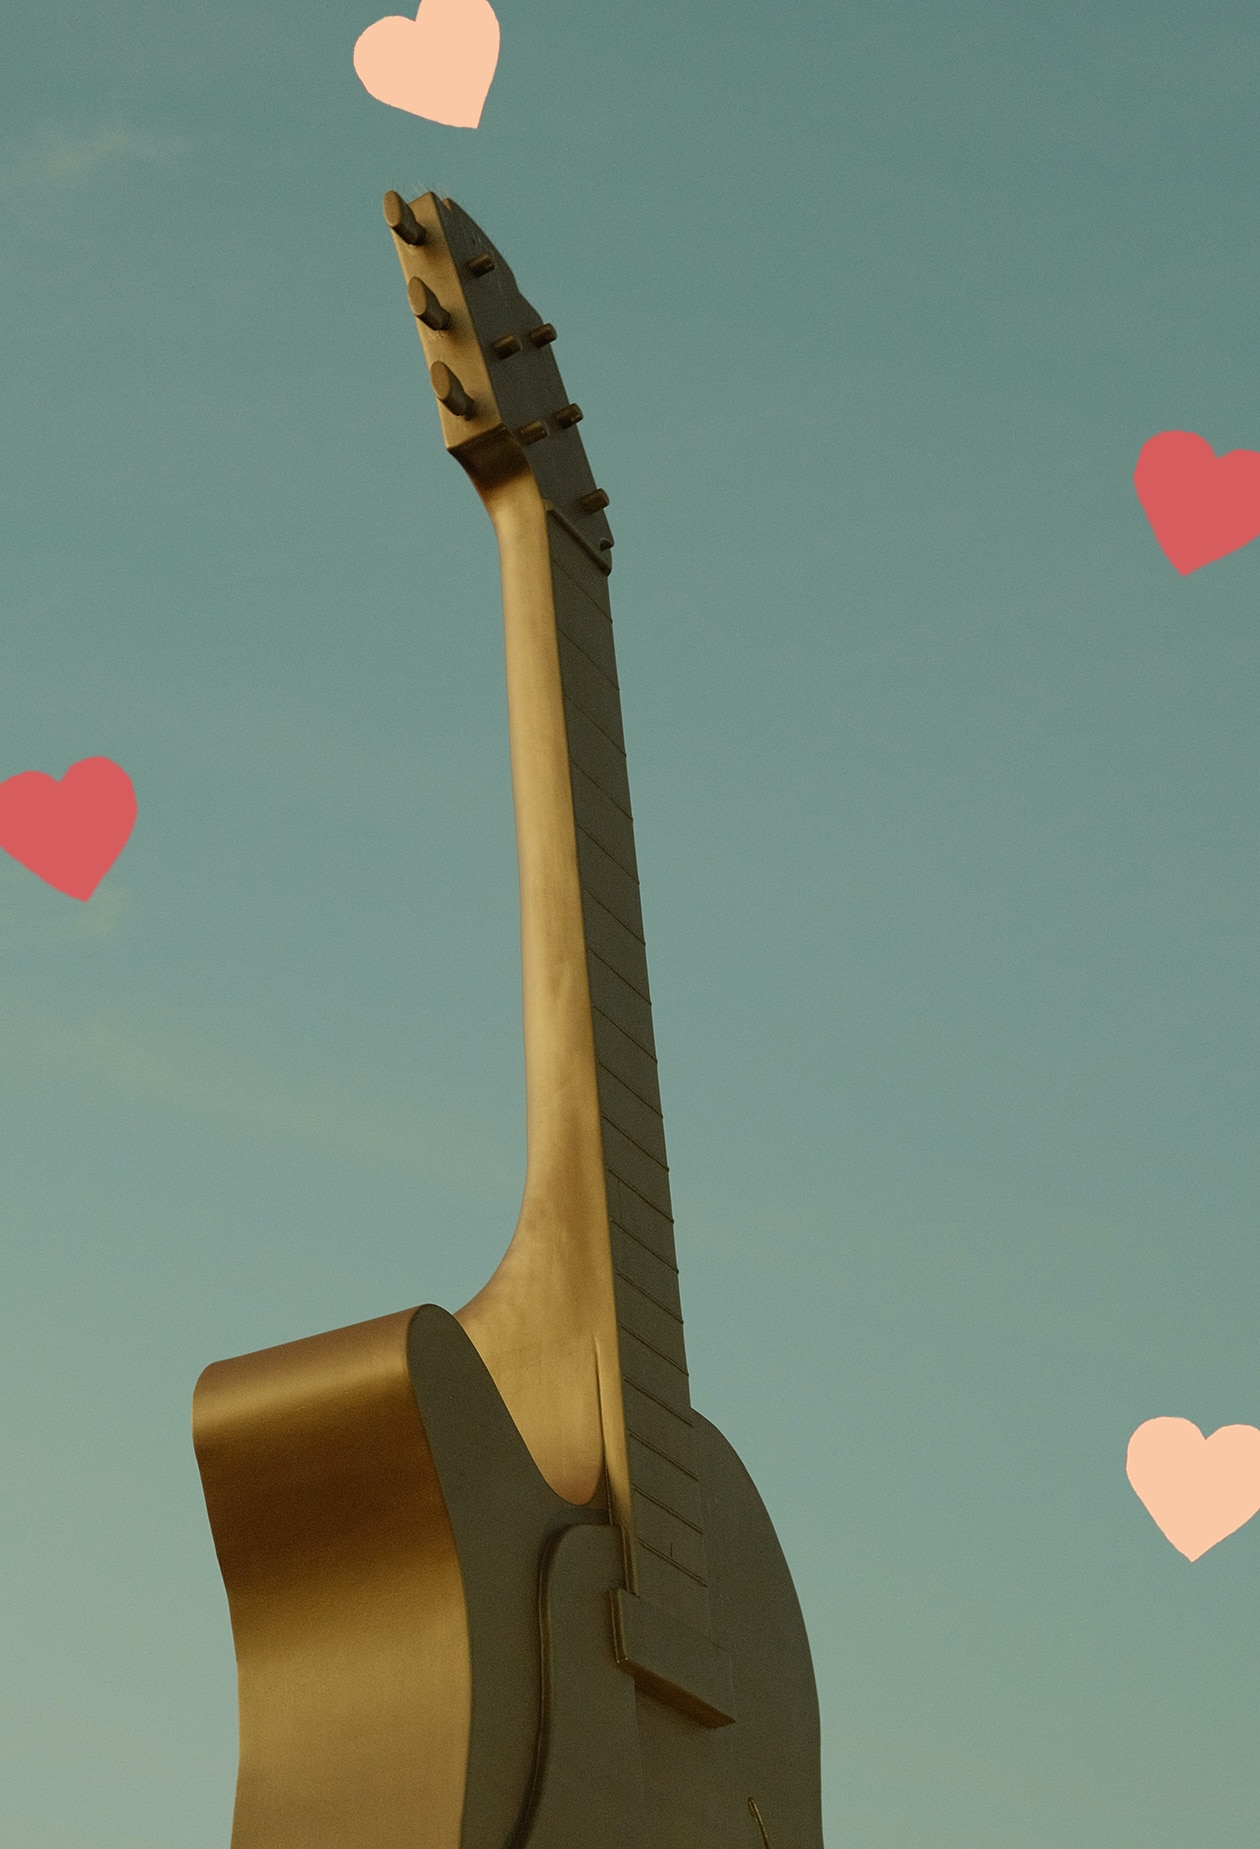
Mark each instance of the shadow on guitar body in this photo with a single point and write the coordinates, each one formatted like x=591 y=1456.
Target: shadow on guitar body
x=423 y=1628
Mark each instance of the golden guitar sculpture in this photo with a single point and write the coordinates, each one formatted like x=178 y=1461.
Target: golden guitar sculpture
x=494 y=1584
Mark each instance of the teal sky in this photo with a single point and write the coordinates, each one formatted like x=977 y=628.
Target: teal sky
x=946 y=788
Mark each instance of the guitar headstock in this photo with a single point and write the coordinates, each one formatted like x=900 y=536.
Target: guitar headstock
x=501 y=400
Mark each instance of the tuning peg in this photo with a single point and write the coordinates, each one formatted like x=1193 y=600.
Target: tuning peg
x=449 y=391
x=592 y=502
x=542 y=334
x=402 y=221
x=425 y=305
x=568 y=415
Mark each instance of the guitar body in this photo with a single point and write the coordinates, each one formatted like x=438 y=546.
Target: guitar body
x=424 y=1629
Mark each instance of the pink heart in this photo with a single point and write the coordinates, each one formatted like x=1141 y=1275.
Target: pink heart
x=1199 y=504
x=69 y=831
x=439 y=64
x=1196 y=1489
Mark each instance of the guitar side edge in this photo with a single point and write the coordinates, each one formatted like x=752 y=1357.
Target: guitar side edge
x=379 y=1527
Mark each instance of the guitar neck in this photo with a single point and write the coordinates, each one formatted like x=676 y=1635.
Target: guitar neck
x=581 y=1325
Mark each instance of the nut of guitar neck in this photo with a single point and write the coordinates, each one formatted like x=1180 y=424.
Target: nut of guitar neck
x=449 y=391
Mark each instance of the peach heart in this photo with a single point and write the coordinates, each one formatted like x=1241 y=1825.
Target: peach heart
x=1196 y=1489
x=439 y=64
x=68 y=831
x=1200 y=505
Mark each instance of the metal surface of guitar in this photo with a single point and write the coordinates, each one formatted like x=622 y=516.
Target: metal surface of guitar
x=494 y=1584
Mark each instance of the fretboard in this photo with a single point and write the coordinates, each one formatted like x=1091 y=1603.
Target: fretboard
x=664 y=1488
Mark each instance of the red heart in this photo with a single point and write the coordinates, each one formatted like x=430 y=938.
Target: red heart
x=1200 y=505
x=69 y=831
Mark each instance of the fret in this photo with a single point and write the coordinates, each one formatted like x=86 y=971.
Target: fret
x=626 y=1007
x=606 y=829
x=666 y=1482
x=652 y=1277
x=651 y=1322
x=670 y=1537
x=666 y=1585
x=599 y=815
x=640 y=1220
x=643 y=1367
x=665 y=1429
x=588 y=688
x=598 y=757
x=616 y=947
x=624 y=1058
x=616 y=890
x=643 y=1173
x=640 y=1121
x=581 y=615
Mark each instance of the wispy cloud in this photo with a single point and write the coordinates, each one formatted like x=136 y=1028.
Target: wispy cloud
x=65 y=157
x=33 y=914
x=170 y=1065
